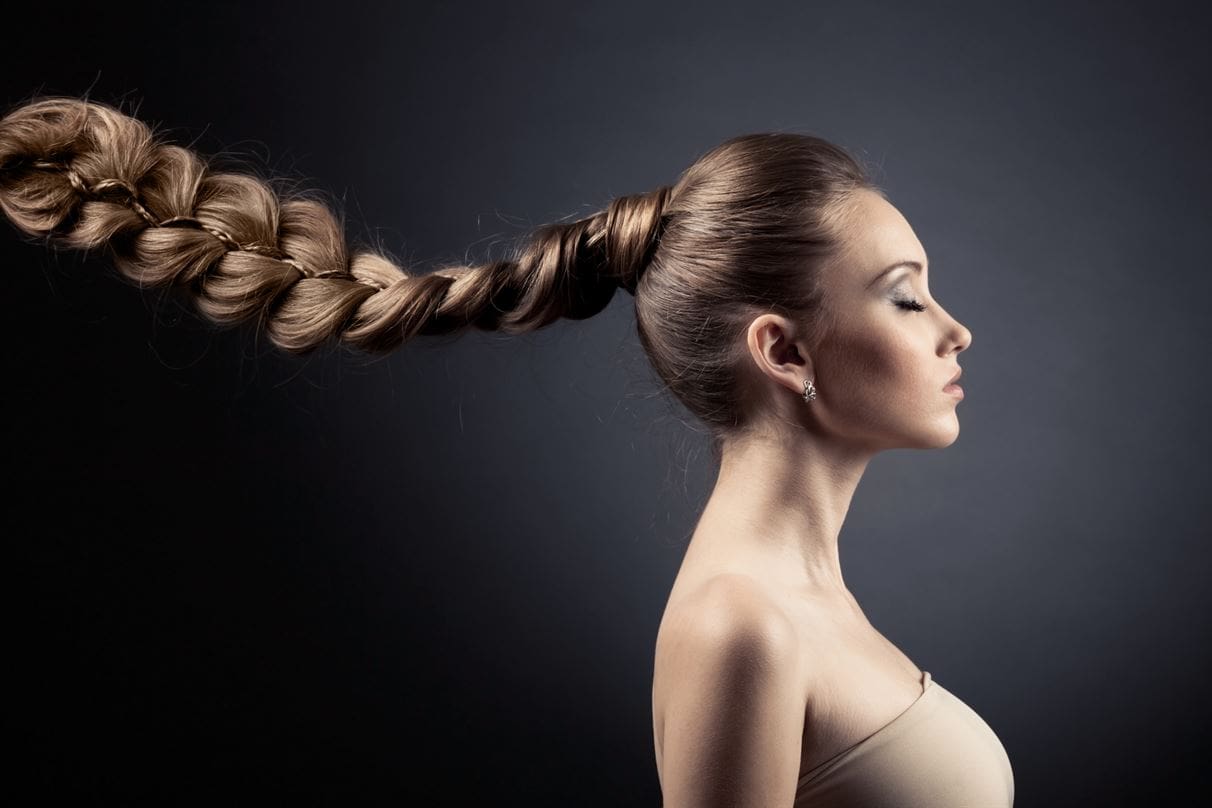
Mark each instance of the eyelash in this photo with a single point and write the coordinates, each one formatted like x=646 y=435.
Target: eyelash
x=911 y=305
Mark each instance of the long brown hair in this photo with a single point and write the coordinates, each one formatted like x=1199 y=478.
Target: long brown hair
x=742 y=231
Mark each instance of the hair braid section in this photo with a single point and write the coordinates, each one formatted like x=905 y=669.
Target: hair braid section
x=85 y=175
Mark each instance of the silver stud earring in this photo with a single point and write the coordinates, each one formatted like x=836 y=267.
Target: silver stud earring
x=809 y=391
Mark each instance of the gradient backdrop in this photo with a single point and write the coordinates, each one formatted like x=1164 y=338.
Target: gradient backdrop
x=436 y=579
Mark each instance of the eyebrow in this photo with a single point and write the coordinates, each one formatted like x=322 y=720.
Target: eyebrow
x=914 y=264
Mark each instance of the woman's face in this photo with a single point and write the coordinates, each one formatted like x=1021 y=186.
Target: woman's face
x=880 y=375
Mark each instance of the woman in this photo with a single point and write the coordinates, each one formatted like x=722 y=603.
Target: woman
x=783 y=301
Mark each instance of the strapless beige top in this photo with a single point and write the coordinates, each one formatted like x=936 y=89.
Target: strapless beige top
x=938 y=753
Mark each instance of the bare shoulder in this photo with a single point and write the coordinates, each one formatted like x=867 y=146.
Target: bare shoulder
x=729 y=621
x=727 y=696
x=730 y=610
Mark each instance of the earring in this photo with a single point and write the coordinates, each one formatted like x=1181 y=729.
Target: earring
x=809 y=391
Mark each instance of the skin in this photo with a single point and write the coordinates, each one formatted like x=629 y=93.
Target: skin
x=765 y=662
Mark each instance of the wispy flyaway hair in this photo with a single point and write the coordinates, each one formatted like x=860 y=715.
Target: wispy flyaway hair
x=742 y=231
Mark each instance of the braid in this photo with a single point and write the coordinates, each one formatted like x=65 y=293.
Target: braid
x=86 y=175
x=631 y=232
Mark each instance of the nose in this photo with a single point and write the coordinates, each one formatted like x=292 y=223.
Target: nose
x=957 y=337
x=963 y=337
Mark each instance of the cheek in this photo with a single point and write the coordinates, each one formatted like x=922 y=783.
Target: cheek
x=871 y=361
x=874 y=380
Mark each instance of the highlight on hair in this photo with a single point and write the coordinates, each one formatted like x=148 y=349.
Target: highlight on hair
x=743 y=231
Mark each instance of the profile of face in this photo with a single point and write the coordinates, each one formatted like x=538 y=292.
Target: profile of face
x=880 y=375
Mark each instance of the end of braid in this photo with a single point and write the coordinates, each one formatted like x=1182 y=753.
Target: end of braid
x=86 y=175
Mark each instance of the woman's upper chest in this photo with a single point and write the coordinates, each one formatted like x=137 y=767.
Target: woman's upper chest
x=856 y=682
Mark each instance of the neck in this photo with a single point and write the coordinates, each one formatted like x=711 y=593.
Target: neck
x=777 y=510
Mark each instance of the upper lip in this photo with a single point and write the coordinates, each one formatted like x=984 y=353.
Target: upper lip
x=955 y=378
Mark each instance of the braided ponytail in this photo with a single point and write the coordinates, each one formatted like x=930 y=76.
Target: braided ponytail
x=85 y=175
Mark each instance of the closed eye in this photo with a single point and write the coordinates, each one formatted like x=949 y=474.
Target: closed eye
x=910 y=304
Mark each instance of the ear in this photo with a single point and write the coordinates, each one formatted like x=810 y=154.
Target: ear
x=776 y=347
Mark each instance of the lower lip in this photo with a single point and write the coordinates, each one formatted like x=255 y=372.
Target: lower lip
x=955 y=390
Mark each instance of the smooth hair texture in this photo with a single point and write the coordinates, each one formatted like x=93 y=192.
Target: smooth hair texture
x=743 y=231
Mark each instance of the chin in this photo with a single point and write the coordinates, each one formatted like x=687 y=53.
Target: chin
x=948 y=436
x=939 y=438
x=950 y=440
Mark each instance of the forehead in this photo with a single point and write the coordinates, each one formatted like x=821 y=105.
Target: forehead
x=874 y=235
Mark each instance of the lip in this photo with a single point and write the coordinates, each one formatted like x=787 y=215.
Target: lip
x=959 y=372
x=954 y=390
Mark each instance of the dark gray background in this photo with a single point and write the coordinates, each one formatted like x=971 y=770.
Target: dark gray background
x=439 y=576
